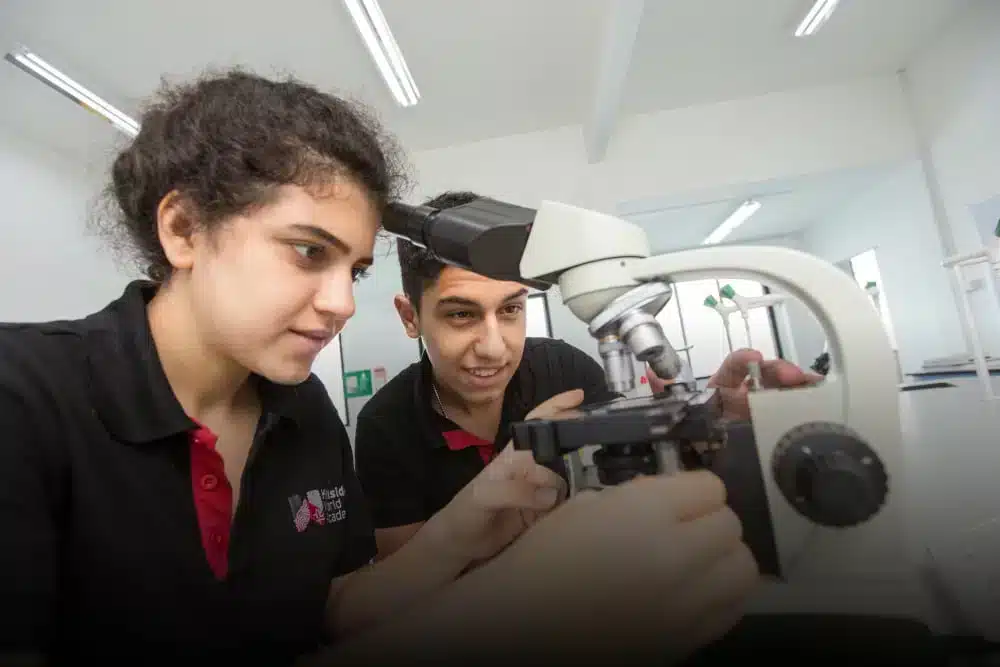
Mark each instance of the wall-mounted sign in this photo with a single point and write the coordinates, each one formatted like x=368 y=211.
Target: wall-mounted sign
x=358 y=383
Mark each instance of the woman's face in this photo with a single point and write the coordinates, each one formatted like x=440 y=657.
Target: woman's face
x=272 y=288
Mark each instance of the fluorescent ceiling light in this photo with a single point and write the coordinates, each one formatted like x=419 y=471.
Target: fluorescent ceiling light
x=817 y=16
x=49 y=75
x=374 y=29
x=739 y=216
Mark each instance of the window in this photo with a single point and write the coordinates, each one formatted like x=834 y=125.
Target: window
x=539 y=324
x=687 y=321
x=329 y=368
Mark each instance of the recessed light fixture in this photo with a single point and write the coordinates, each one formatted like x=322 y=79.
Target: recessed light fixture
x=737 y=218
x=378 y=39
x=50 y=76
x=817 y=16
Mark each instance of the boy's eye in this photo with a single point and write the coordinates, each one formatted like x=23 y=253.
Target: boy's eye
x=512 y=309
x=460 y=314
x=359 y=273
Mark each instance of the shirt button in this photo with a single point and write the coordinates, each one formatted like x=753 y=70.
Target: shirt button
x=215 y=537
x=209 y=482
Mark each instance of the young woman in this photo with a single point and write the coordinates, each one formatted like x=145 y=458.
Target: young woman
x=176 y=487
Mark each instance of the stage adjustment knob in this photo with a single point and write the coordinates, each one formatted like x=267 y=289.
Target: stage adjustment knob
x=829 y=474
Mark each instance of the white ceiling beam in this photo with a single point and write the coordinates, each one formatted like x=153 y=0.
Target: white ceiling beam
x=617 y=45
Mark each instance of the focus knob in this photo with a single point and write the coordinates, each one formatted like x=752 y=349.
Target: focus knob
x=830 y=475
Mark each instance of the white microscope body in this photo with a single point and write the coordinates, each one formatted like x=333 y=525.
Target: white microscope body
x=599 y=261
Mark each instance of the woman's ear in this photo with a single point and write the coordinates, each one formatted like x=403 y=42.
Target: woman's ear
x=407 y=315
x=175 y=227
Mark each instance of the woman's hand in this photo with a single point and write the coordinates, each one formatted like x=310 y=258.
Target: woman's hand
x=506 y=498
x=645 y=572
x=655 y=568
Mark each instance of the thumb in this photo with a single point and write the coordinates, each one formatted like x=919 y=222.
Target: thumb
x=495 y=495
x=557 y=404
x=656 y=383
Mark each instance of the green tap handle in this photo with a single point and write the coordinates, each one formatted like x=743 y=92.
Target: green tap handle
x=728 y=292
x=711 y=302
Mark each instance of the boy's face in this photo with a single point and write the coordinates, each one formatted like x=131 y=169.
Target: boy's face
x=473 y=329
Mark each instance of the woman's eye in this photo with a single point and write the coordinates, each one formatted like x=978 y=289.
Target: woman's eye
x=307 y=250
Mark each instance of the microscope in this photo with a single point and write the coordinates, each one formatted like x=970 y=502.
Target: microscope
x=816 y=473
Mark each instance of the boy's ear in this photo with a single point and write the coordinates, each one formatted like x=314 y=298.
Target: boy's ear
x=407 y=315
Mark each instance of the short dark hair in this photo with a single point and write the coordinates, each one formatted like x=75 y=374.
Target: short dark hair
x=226 y=142
x=419 y=268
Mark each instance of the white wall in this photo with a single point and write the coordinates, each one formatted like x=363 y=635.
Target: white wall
x=51 y=268
x=956 y=97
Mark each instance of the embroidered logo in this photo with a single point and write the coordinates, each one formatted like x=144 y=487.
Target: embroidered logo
x=319 y=507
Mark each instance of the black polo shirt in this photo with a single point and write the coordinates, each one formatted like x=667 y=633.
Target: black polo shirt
x=116 y=514
x=412 y=461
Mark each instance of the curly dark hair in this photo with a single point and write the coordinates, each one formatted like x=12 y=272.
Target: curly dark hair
x=226 y=142
x=418 y=267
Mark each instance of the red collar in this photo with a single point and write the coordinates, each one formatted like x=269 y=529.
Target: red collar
x=459 y=439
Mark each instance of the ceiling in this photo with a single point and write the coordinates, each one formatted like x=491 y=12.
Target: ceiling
x=788 y=206
x=484 y=69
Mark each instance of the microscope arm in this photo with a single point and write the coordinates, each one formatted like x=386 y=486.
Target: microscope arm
x=859 y=347
x=868 y=404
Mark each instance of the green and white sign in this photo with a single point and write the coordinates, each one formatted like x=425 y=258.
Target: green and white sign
x=358 y=384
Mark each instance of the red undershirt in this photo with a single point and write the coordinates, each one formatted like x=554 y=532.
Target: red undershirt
x=213 y=499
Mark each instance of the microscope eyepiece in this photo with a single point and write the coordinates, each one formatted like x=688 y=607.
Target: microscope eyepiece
x=409 y=222
x=485 y=236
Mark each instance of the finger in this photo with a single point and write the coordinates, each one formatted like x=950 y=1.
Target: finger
x=543 y=478
x=697 y=545
x=735 y=404
x=556 y=404
x=735 y=368
x=778 y=373
x=656 y=383
x=686 y=495
x=584 y=496
x=494 y=495
x=502 y=460
x=522 y=465
x=713 y=601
